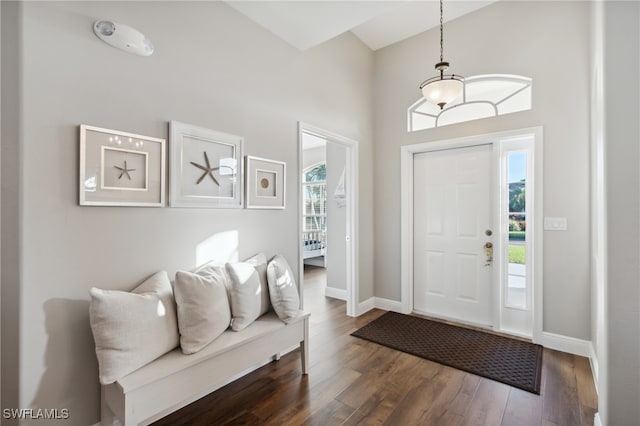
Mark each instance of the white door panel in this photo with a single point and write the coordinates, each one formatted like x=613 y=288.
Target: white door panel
x=452 y=210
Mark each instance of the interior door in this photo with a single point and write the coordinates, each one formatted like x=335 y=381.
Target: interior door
x=452 y=232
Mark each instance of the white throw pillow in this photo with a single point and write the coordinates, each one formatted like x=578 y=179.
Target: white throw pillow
x=247 y=294
x=283 y=290
x=219 y=272
x=132 y=329
x=203 y=309
x=259 y=261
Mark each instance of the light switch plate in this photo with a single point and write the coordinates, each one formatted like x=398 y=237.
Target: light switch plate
x=555 y=223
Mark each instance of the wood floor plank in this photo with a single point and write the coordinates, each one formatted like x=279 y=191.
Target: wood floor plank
x=416 y=404
x=317 y=398
x=452 y=403
x=488 y=404
x=396 y=372
x=356 y=382
x=523 y=409
x=334 y=413
x=375 y=410
x=587 y=396
x=560 y=401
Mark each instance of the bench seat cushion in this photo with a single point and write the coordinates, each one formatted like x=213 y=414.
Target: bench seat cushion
x=176 y=361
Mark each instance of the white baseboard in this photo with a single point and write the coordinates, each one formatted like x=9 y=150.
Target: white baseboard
x=335 y=293
x=380 y=303
x=593 y=360
x=596 y=420
x=387 y=304
x=365 y=306
x=566 y=344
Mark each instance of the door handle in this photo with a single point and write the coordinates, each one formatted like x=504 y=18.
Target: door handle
x=488 y=249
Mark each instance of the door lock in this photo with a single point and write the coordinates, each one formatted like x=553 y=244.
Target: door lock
x=488 y=249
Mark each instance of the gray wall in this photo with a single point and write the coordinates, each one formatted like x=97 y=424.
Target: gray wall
x=621 y=139
x=336 y=220
x=548 y=41
x=10 y=202
x=213 y=68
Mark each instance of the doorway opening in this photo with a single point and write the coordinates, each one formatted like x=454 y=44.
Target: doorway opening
x=327 y=173
x=472 y=230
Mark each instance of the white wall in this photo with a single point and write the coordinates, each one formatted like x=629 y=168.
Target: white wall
x=336 y=219
x=313 y=156
x=548 y=41
x=212 y=67
x=621 y=103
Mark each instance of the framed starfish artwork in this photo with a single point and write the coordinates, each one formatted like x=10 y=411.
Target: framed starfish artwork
x=121 y=169
x=205 y=168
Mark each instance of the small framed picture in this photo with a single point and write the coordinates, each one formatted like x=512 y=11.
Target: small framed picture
x=121 y=169
x=266 y=182
x=205 y=168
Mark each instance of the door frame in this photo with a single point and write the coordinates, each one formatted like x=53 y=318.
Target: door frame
x=407 y=153
x=351 y=189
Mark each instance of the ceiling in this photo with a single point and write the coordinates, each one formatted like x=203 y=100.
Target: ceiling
x=378 y=23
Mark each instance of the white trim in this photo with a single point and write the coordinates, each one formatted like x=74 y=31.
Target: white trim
x=406 y=199
x=379 y=303
x=387 y=304
x=366 y=306
x=566 y=344
x=353 y=285
x=596 y=419
x=593 y=360
x=335 y=293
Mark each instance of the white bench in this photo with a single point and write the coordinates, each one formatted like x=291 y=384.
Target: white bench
x=175 y=380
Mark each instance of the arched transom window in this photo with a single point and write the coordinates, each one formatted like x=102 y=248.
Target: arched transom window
x=483 y=96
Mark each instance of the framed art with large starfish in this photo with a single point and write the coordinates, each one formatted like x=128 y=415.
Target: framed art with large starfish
x=205 y=168
x=121 y=169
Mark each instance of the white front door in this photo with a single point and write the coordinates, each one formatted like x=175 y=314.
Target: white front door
x=453 y=223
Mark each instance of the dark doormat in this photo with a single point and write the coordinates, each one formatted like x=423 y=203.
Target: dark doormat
x=510 y=361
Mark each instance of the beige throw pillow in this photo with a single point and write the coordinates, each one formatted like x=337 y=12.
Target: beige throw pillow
x=203 y=309
x=131 y=329
x=249 y=295
x=283 y=290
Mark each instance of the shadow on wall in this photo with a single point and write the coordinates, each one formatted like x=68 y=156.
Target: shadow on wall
x=71 y=376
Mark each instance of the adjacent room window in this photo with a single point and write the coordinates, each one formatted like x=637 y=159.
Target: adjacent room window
x=315 y=198
x=483 y=96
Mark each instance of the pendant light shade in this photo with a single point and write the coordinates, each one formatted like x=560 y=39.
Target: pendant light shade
x=444 y=88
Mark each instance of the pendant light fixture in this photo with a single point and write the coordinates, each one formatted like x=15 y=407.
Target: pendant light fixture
x=442 y=89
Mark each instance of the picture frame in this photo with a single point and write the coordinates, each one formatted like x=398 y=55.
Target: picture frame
x=121 y=169
x=266 y=183
x=205 y=168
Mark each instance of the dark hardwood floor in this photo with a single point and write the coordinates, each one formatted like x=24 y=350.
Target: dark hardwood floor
x=353 y=382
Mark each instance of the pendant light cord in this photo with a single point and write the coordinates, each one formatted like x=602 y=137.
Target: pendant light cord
x=441 y=34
